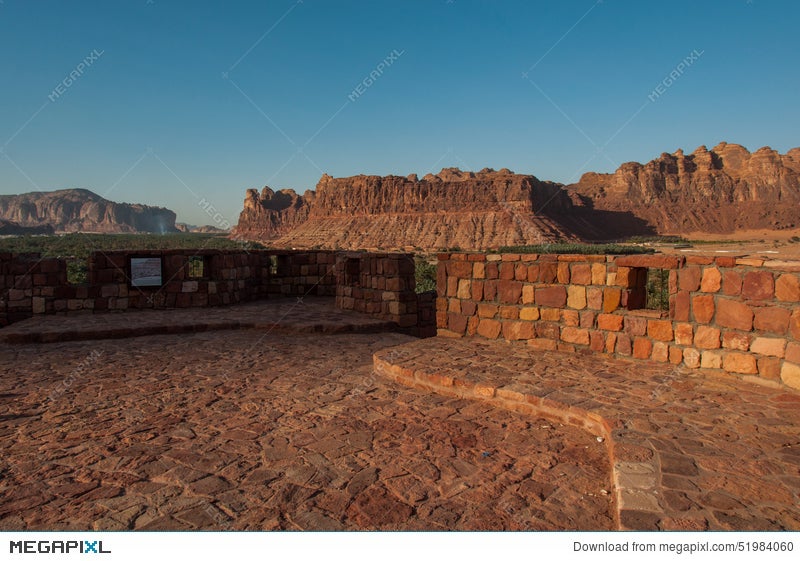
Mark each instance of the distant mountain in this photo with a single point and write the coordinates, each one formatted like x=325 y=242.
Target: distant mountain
x=717 y=191
x=80 y=210
x=192 y=229
x=8 y=228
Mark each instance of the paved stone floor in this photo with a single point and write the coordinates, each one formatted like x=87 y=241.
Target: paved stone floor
x=689 y=449
x=260 y=429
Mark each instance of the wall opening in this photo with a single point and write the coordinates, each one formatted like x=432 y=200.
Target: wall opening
x=657 y=290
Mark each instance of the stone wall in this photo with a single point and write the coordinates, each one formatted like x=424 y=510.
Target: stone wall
x=378 y=284
x=736 y=315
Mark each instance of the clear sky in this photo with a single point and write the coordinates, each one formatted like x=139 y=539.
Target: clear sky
x=173 y=103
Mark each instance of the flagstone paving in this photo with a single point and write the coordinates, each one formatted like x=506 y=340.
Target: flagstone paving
x=690 y=449
x=265 y=429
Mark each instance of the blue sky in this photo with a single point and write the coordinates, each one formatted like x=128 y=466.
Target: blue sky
x=181 y=103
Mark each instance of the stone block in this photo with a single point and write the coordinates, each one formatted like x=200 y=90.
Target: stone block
x=521 y=272
x=642 y=347
x=489 y=328
x=769 y=346
x=703 y=308
x=771 y=319
x=587 y=319
x=681 y=306
x=581 y=274
x=735 y=315
x=548 y=273
x=711 y=280
x=518 y=330
x=487 y=310
x=660 y=351
x=740 y=363
x=710 y=359
x=689 y=278
x=453 y=305
x=529 y=313
x=509 y=312
x=731 y=283
x=660 y=330
x=794 y=324
x=575 y=335
x=576 y=297
x=570 y=318
x=787 y=288
x=769 y=368
x=456 y=323
x=675 y=355
x=550 y=314
x=790 y=375
x=624 y=346
x=684 y=334
x=596 y=341
x=594 y=298
x=507 y=271
x=527 y=294
x=598 y=273
x=563 y=273
x=543 y=344
x=736 y=341
x=636 y=326
x=707 y=337
x=691 y=358
x=610 y=322
x=479 y=270
x=611 y=342
x=551 y=296
x=611 y=299
x=533 y=273
x=758 y=285
x=468 y=307
x=793 y=352
x=464 y=289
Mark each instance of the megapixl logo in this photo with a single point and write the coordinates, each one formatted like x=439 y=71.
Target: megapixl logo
x=57 y=546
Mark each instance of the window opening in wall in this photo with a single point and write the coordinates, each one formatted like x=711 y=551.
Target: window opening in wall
x=273 y=265
x=197 y=267
x=657 y=289
x=352 y=271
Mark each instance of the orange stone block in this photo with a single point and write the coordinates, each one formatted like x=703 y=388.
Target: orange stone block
x=509 y=312
x=587 y=319
x=793 y=352
x=489 y=328
x=741 y=363
x=596 y=341
x=675 y=355
x=769 y=346
x=533 y=273
x=642 y=347
x=550 y=314
x=611 y=342
x=703 y=308
x=575 y=335
x=707 y=337
x=735 y=315
x=563 y=273
x=635 y=325
x=660 y=352
x=711 y=281
x=684 y=334
x=509 y=291
x=609 y=322
x=769 y=368
x=736 y=341
x=787 y=288
x=679 y=311
x=598 y=273
x=521 y=272
x=543 y=344
x=548 y=273
x=611 y=299
x=772 y=319
x=624 y=346
x=518 y=330
x=661 y=330
x=594 y=298
x=758 y=285
x=487 y=310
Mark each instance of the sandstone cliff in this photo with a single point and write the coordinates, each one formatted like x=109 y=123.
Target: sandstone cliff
x=479 y=210
x=79 y=210
x=716 y=191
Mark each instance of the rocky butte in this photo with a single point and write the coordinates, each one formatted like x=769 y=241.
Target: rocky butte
x=718 y=191
x=80 y=210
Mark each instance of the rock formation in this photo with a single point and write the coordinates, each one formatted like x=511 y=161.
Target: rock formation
x=8 y=228
x=714 y=191
x=80 y=210
x=479 y=210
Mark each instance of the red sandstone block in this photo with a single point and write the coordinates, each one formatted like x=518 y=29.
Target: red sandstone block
x=611 y=299
x=703 y=308
x=546 y=330
x=596 y=341
x=769 y=346
x=599 y=273
x=707 y=337
x=509 y=291
x=551 y=296
x=793 y=352
x=650 y=261
x=611 y=342
x=550 y=314
x=489 y=328
x=454 y=305
x=594 y=298
x=575 y=335
x=675 y=355
x=725 y=261
x=660 y=330
x=624 y=346
x=689 y=278
x=468 y=307
x=548 y=273
x=542 y=345
x=711 y=281
x=660 y=352
x=609 y=322
x=758 y=285
x=735 y=315
x=772 y=319
x=472 y=325
x=492 y=271
x=587 y=319
x=741 y=363
x=737 y=341
x=673 y=282
x=731 y=283
x=509 y=312
x=487 y=310
x=477 y=290
x=510 y=257
x=479 y=270
x=769 y=368
x=533 y=273
x=699 y=260
x=529 y=257
x=787 y=288
x=684 y=334
x=642 y=347
x=562 y=274
x=635 y=325
x=581 y=273
x=794 y=324
x=680 y=309
x=570 y=318
x=521 y=272
x=507 y=271
x=518 y=330
x=625 y=277
x=452 y=286
x=476 y=257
